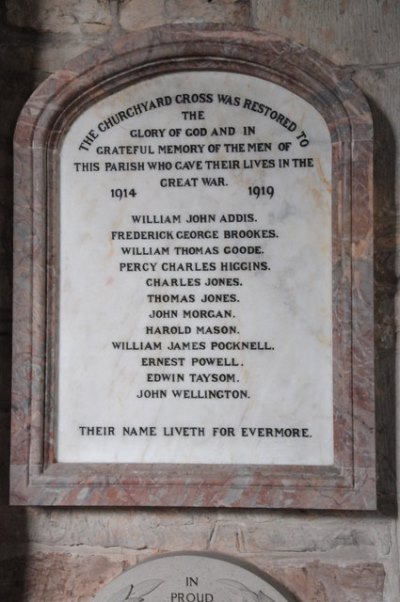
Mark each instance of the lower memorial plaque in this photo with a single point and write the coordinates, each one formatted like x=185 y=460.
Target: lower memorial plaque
x=193 y=279
x=191 y=578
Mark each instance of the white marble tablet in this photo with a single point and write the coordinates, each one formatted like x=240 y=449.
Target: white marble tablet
x=195 y=295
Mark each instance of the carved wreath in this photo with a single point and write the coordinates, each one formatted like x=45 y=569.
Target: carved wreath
x=136 y=593
x=247 y=594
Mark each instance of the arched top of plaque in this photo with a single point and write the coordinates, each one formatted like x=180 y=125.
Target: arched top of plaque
x=169 y=49
x=224 y=240
x=193 y=577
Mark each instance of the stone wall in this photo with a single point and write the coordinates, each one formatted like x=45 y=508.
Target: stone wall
x=51 y=555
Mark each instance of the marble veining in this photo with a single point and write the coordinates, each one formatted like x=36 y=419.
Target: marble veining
x=270 y=255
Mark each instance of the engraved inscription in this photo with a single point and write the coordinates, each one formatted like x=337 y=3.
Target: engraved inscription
x=195 y=291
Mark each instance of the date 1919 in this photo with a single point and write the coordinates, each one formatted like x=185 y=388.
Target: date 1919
x=258 y=191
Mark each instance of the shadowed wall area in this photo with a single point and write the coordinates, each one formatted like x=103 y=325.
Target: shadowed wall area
x=66 y=554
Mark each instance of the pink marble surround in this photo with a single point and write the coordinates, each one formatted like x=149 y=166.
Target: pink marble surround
x=35 y=477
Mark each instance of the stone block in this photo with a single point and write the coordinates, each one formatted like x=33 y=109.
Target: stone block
x=361 y=32
x=235 y=12
x=288 y=537
x=113 y=528
x=54 y=54
x=317 y=582
x=58 y=16
x=106 y=529
x=61 y=577
x=135 y=15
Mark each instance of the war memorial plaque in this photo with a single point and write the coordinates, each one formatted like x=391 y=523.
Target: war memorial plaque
x=201 y=272
x=192 y=578
x=195 y=269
